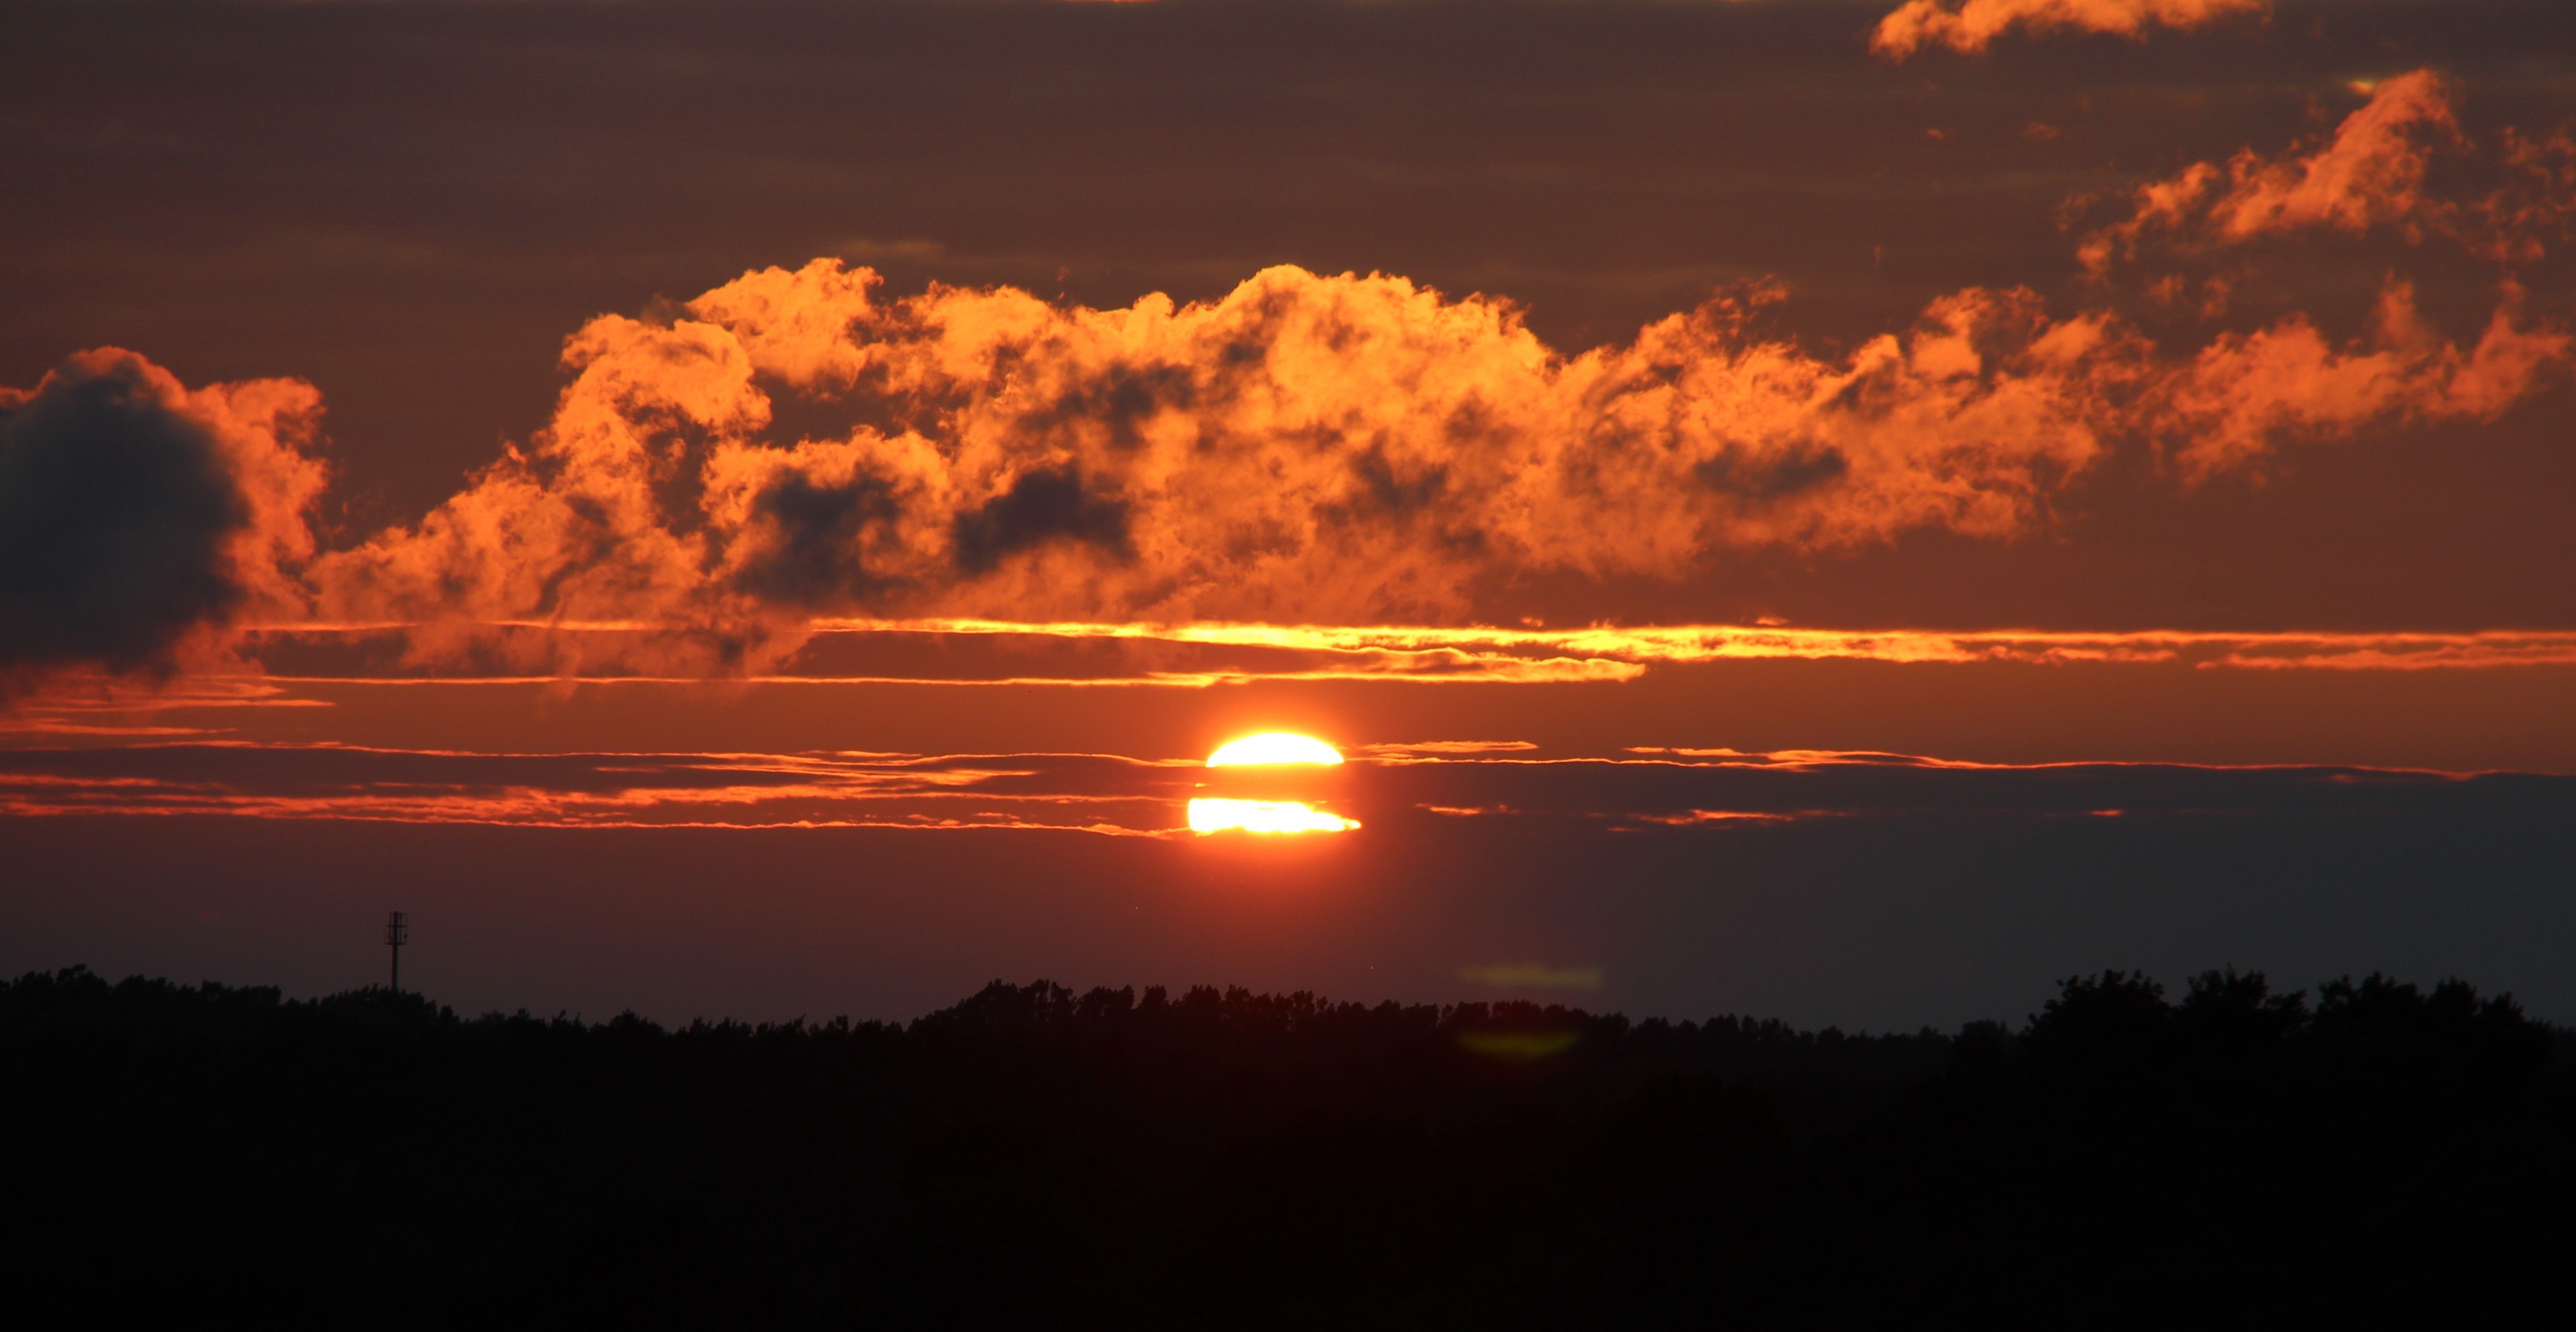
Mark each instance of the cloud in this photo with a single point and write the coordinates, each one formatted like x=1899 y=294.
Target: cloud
x=2369 y=173
x=1084 y=792
x=1703 y=791
x=2243 y=392
x=968 y=655
x=1308 y=447
x=1969 y=26
x=138 y=519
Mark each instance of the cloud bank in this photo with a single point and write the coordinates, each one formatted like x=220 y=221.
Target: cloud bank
x=1312 y=448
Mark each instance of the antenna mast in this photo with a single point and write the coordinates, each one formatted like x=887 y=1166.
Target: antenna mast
x=396 y=935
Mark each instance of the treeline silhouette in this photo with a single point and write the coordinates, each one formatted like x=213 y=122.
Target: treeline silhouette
x=1036 y=1157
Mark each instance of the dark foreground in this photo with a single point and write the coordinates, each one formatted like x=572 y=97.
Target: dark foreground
x=1034 y=1158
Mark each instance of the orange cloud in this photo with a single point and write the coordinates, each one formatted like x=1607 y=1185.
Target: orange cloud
x=1969 y=26
x=1203 y=654
x=1353 y=450
x=2369 y=173
x=2243 y=392
x=1309 y=447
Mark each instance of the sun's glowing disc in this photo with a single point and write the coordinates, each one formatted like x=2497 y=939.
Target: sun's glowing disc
x=1264 y=816
x=1272 y=747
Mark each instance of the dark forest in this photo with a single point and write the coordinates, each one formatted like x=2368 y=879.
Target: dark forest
x=1033 y=1156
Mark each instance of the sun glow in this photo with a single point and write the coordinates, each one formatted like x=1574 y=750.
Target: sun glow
x=1263 y=816
x=1273 y=747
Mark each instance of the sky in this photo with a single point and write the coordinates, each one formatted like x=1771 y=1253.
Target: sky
x=1846 y=512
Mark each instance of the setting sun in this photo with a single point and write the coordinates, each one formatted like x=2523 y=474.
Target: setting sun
x=1264 y=816
x=1273 y=747
x=1265 y=810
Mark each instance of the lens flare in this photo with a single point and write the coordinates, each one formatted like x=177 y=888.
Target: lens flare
x=1273 y=747
x=1264 y=816
x=1517 y=1047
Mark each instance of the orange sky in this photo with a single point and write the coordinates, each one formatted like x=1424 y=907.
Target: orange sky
x=1994 y=413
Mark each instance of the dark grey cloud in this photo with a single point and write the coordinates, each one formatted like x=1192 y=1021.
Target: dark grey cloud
x=813 y=556
x=1643 y=793
x=1041 y=506
x=115 y=509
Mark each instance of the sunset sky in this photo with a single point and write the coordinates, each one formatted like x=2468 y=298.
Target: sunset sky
x=1817 y=509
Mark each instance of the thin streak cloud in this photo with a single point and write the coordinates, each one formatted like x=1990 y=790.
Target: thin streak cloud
x=1970 y=26
x=1490 y=654
x=1672 y=789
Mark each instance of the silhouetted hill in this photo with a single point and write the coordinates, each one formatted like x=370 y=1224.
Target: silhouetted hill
x=1035 y=1157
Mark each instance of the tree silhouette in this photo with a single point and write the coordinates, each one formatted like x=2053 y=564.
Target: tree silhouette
x=1223 y=1158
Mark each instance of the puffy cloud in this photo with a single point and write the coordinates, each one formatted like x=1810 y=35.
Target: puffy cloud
x=1969 y=26
x=139 y=519
x=2243 y=392
x=1309 y=447
x=2371 y=172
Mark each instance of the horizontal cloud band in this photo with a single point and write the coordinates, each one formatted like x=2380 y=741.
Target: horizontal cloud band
x=953 y=651
x=1120 y=796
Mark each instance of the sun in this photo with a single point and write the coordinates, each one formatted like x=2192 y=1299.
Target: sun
x=1270 y=813
x=1264 y=816
x=1273 y=747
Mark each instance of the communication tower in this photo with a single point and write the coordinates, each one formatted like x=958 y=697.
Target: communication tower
x=396 y=935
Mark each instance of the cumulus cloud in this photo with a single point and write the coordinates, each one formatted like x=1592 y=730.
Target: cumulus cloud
x=1969 y=26
x=1308 y=447
x=1313 y=449
x=138 y=519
